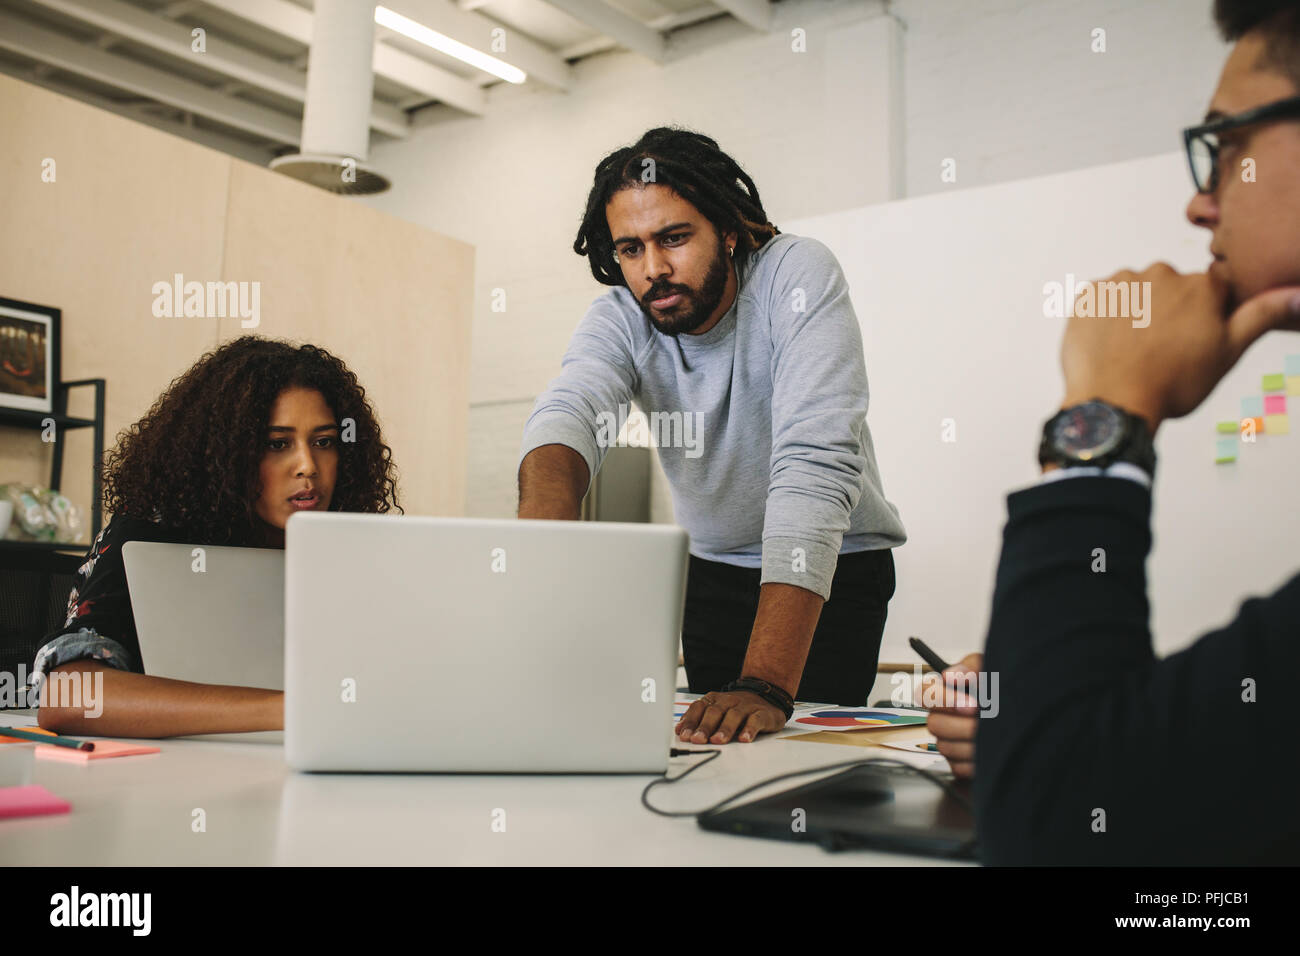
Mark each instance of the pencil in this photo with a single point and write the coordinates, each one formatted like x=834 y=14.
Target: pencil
x=42 y=738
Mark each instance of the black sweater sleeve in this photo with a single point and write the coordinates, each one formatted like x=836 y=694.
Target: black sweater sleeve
x=1097 y=752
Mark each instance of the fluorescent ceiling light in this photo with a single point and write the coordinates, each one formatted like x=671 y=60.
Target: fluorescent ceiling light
x=445 y=44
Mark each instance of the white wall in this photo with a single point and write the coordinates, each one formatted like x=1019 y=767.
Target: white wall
x=953 y=334
x=1011 y=88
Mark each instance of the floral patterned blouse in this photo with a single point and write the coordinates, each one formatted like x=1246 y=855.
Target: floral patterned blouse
x=100 y=624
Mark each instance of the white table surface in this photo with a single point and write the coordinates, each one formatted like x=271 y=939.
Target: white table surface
x=138 y=811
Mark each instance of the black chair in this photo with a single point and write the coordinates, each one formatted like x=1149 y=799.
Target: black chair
x=34 y=587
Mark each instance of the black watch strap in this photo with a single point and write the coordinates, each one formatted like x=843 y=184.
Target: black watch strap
x=774 y=695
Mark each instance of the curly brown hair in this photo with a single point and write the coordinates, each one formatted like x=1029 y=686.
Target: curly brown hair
x=192 y=462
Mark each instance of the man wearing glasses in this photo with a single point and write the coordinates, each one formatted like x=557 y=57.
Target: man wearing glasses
x=1101 y=753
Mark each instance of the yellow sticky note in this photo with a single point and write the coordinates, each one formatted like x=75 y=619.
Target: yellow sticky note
x=1277 y=425
x=1293 y=384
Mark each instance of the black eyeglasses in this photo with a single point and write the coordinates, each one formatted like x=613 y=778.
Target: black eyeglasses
x=1202 y=142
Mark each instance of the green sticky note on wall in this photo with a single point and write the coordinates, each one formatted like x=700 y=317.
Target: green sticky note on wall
x=1225 y=451
x=1227 y=428
x=1274 y=383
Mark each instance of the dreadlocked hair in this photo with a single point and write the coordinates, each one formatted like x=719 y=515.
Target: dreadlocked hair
x=692 y=165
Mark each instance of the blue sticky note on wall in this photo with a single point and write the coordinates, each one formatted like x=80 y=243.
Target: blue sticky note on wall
x=1293 y=365
x=1225 y=450
x=1252 y=406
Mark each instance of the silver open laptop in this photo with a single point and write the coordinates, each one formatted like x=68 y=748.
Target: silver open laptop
x=457 y=644
x=215 y=616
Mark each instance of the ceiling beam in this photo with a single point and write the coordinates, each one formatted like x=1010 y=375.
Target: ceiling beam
x=290 y=20
x=250 y=69
x=664 y=24
x=137 y=111
x=474 y=29
x=754 y=13
x=45 y=46
x=633 y=34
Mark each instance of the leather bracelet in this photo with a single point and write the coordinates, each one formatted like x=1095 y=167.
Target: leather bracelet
x=774 y=695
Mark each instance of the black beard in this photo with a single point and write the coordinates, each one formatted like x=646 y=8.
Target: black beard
x=680 y=319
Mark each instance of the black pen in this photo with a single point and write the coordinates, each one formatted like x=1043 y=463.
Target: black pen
x=930 y=657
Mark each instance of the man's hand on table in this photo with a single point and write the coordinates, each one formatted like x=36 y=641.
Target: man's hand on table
x=717 y=718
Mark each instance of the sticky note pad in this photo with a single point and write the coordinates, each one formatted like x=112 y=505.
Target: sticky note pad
x=103 y=748
x=1256 y=424
x=1274 y=383
x=1252 y=406
x=1274 y=404
x=31 y=800
x=1292 y=366
x=1225 y=450
x=1293 y=384
x=1274 y=425
x=1227 y=428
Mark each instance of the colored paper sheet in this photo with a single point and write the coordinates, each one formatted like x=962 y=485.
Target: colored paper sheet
x=855 y=718
x=1256 y=424
x=1227 y=428
x=1277 y=425
x=103 y=748
x=1293 y=384
x=31 y=800
x=1292 y=365
x=1274 y=383
x=1225 y=450
x=1252 y=406
x=1274 y=404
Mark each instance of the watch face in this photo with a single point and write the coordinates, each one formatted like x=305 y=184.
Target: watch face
x=1088 y=431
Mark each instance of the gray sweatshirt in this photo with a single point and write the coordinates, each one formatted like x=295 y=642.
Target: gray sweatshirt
x=760 y=422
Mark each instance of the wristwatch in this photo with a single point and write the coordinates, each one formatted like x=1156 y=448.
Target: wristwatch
x=769 y=692
x=1099 y=434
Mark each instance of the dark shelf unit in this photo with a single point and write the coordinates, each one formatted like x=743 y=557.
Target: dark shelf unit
x=26 y=418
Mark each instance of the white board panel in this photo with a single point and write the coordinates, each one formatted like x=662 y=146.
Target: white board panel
x=949 y=292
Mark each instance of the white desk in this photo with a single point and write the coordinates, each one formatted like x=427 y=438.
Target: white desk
x=138 y=811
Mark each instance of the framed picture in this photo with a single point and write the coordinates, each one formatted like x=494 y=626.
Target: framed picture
x=29 y=355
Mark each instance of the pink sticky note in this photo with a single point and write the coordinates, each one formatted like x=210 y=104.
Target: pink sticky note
x=1274 y=404
x=32 y=800
x=103 y=748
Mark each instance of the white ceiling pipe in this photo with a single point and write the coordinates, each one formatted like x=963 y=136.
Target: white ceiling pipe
x=336 y=118
x=340 y=79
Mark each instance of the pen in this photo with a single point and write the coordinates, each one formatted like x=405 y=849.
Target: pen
x=41 y=738
x=930 y=657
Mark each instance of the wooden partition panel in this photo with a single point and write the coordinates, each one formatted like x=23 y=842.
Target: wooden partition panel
x=130 y=206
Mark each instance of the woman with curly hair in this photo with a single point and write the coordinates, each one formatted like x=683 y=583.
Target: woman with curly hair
x=255 y=431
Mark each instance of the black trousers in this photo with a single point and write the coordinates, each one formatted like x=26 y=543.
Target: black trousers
x=722 y=600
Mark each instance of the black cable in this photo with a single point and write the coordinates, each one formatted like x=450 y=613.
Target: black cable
x=714 y=754
x=674 y=752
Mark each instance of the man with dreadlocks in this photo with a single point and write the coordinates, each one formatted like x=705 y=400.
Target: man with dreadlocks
x=717 y=317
